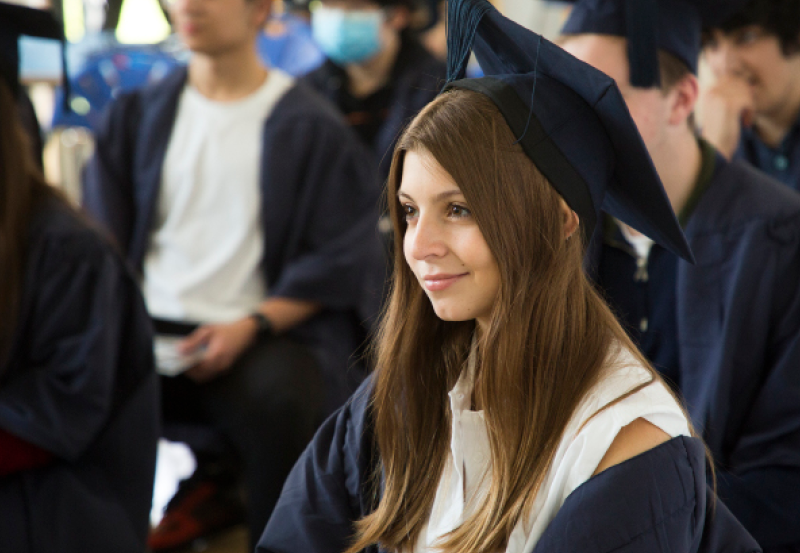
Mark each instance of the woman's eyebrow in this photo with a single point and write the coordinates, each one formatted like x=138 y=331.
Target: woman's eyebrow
x=438 y=197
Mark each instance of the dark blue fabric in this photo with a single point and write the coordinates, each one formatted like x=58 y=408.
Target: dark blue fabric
x=653 y=503
x=738 y=316
x=416 y=79
x=319 y=198
x=644 y=300
x=781 y=163
x=80 y=383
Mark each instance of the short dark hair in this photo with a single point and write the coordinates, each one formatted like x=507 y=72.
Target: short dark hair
x=672 y=70
x=778 y=17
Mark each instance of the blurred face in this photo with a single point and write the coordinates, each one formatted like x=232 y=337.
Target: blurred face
x=443 y=245
x=750 y=53
x=218 y=26
x=649 y=107
x=356 y=31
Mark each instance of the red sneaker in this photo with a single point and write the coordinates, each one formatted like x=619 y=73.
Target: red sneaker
x=200 y=507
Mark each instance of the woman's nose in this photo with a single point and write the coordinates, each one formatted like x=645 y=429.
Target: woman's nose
x=426 y=239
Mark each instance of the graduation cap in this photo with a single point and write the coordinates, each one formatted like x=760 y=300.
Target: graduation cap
x=672 y=25
x=16 y=20
x=570 y=119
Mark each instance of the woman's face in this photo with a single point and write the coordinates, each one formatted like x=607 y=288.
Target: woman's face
x=443 y=245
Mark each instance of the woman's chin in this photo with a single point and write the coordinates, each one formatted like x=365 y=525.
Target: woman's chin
x=449 y=314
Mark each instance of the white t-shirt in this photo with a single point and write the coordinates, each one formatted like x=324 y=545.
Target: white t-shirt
x=465 y=478
x=203 y=262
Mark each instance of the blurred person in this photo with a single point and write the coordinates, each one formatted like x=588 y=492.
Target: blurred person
x=509 y=411
x=44 y=26
x=286 y=42
x=726 y=331
x=377 y=72
x=752 y=110
x=78 y=389
x=249 y=209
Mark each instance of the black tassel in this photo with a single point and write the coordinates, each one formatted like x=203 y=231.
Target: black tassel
x=641 y=20
x=463 y=17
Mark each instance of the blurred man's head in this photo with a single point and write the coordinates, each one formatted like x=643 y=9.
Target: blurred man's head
x=657 y=110
x=215 y=27
x=760 y=44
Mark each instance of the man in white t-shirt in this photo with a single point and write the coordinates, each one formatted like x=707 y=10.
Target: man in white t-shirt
x=249 y=208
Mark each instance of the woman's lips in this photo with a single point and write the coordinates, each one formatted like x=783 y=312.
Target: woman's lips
x=438 y=282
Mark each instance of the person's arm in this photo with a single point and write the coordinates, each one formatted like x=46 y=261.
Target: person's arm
x=653 y=502
x=59 y=395
x=107 y=193
x=759 y=478
x=632 y=440
x=224 y=343
x=723 y=108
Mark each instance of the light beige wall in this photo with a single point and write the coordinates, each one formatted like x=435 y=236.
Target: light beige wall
x=543 y=17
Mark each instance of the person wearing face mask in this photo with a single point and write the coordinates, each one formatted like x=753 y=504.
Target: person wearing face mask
x=376 y=72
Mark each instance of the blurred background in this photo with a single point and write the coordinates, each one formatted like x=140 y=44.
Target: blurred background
x=117 y=45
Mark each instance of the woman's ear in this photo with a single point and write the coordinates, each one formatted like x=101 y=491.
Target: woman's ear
x=571 y=220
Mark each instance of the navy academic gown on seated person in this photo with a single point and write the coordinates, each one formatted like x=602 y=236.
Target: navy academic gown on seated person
x=657 y=502
x=738 y=334
x=781 y=163
x=319 y=202
x=79 y=383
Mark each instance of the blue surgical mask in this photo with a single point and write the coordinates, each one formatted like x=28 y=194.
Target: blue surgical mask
x=347 y=36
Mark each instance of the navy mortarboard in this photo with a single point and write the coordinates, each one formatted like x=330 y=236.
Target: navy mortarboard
x=672 y=25
x=570 y=119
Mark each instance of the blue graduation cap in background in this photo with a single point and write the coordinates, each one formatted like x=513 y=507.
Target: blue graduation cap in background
x=672 y=25
x=570 y=120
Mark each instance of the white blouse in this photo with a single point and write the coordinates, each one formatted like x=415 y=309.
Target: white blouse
x=465 y=479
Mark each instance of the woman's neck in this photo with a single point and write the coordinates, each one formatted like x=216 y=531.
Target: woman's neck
x=371 y=75
x=227 y=77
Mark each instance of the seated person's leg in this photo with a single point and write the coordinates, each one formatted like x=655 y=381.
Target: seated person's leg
x=267 y=407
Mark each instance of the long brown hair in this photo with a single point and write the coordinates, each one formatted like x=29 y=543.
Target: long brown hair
x=22 y=186
x=544 y=348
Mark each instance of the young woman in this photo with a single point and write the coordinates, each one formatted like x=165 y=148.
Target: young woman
x=78 y=390
x=509 y=411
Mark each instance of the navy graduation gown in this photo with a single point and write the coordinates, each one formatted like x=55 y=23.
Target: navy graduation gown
x=319 y=200
x=656 y=502
x=79 y=382
x=738 y=324
x=781 y=163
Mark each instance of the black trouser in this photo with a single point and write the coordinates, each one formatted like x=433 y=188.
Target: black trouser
x=265 y=408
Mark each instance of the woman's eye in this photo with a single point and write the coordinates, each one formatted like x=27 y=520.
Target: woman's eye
x=409 y=211
x=458 y=211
